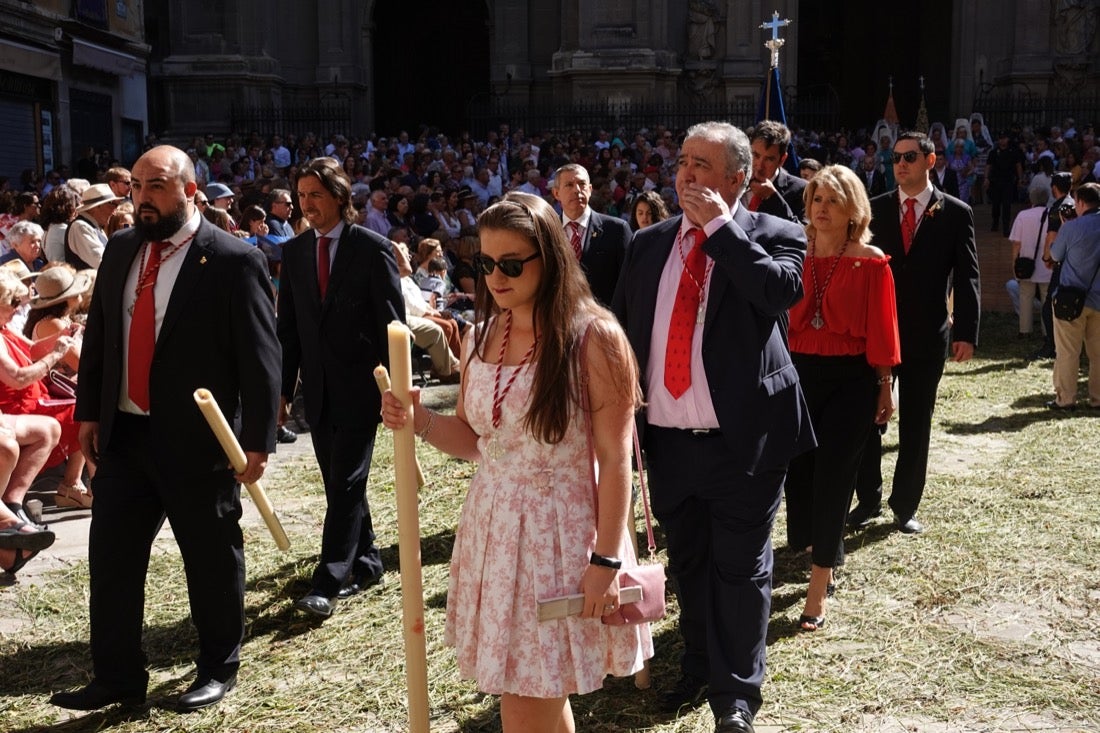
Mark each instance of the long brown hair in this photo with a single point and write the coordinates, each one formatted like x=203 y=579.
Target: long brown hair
x=564 y=309
x=335 y=180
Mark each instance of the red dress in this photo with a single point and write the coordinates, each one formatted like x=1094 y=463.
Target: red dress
x=34 y=399
x=859 y=309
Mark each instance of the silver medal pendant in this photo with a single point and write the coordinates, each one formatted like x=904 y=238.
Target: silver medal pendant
x=818 y=322
x=700 y=315
x=494 y=449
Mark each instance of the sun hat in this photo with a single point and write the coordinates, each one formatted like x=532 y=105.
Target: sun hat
x=57 y=284
x=19 y=268
x=96 y=195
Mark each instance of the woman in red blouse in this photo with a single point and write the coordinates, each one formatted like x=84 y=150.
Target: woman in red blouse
x=844 y=342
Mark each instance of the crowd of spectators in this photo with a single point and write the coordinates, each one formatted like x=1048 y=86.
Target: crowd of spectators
x=429 y=189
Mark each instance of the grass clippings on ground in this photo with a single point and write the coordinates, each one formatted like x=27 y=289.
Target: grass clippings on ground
x=986 y=622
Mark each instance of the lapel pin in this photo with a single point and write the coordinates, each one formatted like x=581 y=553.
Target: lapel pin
x=203 y=260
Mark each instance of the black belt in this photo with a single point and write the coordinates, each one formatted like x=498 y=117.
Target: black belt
x=694 y=432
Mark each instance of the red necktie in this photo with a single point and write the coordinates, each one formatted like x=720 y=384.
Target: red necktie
x=323 y=264
x=754 y=202
x=143 y=330
x=681 y=327
x=908 y=224
x=575 y=238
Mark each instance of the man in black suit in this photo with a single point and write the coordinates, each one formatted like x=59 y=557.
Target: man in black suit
x=943 y=178
x=599 y=240
x=932 y=255
x=179 y=305
x=873 y=179
x=338 y=291
x=724 y=413
x=772 y=190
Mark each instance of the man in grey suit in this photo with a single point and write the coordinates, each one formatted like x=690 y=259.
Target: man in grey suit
x=703 y=298
x=600 y=241
x=179 y=305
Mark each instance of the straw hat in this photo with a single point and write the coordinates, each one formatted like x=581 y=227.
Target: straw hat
x=57 y=284
x=19 y=269
x=96 y=195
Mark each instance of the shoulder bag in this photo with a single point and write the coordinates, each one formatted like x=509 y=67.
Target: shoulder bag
x=1024 y=267
x=649 y=577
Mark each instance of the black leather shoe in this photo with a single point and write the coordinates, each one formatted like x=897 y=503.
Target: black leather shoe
x=909 y=526
x=316 y=604
x=283 y=434
x=204 y=692
x=688 y=692
x=358 y=584
x=735 y=721
x=1053 y=405
x=95 y=695
x=862 y=515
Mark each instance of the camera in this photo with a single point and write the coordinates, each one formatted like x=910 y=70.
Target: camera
x=1067 y=211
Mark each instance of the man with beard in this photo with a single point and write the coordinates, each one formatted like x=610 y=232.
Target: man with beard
x=201 y=297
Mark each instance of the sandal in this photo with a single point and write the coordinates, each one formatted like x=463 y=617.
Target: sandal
x=21 y=514
x=73 y=496
x=14 y=538
x=810 y=623
x=20 y=561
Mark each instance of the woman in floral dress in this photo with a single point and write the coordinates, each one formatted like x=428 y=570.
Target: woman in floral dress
x=531 y=528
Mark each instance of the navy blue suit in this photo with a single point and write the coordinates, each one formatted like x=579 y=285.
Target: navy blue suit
x=716 y=495
x=603 y=251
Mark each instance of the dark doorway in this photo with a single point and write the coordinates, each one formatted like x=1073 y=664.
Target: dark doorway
x=856 y=46
x=431 y=57
x=91 y=117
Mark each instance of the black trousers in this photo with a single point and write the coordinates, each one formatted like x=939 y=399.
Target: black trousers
x=133 y=495
x=347 y=544
x=1002 y=195
x=918 y=382
x=718 y=523
x=842 y=396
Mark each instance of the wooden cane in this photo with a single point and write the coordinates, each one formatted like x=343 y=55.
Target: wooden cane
x=408 y=533
x=382 y=379
x=214 y=417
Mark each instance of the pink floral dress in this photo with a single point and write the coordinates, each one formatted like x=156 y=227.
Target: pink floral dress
x=525 y=533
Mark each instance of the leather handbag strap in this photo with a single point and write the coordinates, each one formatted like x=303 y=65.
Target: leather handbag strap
x=1039 y=236
x=652 y=546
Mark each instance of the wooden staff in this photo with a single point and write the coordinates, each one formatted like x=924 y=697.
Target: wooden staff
x=408 y=533
x=214 y=417
x=382 y=379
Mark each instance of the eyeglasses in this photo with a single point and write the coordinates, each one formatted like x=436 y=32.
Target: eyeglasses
x=909 y=156
x=508 y=267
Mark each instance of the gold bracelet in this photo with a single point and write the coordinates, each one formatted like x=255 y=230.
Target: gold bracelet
x=423 y=434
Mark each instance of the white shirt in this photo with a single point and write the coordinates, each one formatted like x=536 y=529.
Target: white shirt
x=1029 y=228
x=162 y=292
x=415 y=304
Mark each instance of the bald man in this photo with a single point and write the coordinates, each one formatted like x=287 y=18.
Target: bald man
x=202 y=298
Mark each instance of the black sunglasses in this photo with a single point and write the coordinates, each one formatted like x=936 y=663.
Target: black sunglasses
x=910 y=156
x=509 y=267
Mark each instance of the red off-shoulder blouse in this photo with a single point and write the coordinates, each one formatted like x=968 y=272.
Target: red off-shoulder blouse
x=859 y=310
